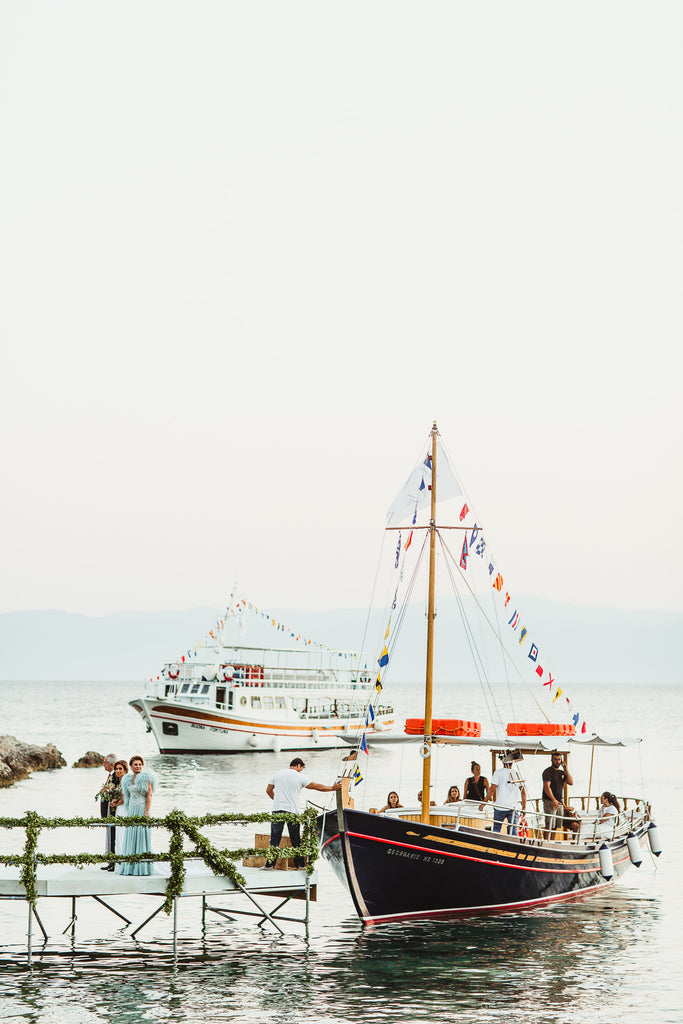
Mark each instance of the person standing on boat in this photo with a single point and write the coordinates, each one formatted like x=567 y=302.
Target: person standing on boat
x=110 y=834
x=554 y=780
x=283 y=789
x=505 y=792
x=476 y=787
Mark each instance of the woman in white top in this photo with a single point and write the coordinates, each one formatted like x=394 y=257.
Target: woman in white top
x=609 y=815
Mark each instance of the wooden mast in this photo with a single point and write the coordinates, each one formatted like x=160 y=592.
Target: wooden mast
x=426 y=764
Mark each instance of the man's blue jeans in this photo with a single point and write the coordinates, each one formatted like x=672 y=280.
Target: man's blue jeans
x=276 y=828
x=501 y=814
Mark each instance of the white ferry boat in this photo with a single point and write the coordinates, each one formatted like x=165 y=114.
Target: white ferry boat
x=257 y=698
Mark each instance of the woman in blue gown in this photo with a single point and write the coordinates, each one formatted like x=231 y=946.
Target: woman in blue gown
x=137 y=797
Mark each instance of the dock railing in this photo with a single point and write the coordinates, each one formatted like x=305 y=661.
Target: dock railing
x=180 y=827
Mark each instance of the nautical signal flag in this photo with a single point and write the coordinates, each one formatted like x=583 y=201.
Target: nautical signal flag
x=364 y=744
x=463 y=512
x=384 y=658
x=464 y=553
x=357 y=777
x=370 y=717
x=378 y=685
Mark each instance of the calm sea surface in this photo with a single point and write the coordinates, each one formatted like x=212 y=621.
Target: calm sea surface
x=606 y=958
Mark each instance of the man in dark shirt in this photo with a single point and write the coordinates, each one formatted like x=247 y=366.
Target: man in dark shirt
x=554 y=780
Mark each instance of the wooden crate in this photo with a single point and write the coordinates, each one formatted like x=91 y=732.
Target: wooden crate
x=262 y=842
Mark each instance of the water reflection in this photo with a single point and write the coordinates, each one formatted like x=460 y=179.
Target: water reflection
x=543 y=966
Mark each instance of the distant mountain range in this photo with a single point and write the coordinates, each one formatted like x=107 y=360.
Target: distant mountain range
x=588 y=645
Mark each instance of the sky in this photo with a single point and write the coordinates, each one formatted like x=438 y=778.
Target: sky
x=249 y=252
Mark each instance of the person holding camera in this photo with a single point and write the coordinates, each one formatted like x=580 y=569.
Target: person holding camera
x=554 y=780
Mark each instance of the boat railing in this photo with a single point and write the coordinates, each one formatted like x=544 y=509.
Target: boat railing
x=179 y=826
x=532 y=823
x=166 y=688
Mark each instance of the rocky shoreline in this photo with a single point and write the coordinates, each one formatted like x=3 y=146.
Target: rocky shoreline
x=18 y=759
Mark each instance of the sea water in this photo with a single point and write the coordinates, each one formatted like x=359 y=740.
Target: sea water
x=614 y=956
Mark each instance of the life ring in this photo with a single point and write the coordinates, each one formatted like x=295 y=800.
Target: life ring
x=425 y=751
x=173 y=671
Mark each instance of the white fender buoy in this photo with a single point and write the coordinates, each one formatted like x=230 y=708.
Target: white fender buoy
x=314 y=735
x=655 y=841
x=634 y=850
x=276 y=744
x=606 y=862
x=379 y=725
x=252 y=741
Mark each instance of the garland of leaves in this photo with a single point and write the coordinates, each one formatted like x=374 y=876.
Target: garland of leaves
x=178 y=824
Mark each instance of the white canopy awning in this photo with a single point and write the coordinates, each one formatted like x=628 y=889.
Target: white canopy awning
x=527 y=743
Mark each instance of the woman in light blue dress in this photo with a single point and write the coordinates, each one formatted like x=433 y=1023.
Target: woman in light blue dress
x=137 y=797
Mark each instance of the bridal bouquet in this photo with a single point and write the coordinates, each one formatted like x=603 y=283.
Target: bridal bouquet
x=108 y=793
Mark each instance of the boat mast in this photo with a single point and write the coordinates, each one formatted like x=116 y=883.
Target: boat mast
x=426 y=763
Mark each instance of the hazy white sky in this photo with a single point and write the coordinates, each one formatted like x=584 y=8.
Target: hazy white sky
x=249 y=251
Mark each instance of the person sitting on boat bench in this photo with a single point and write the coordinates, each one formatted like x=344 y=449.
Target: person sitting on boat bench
x=554 y=779
x=432 y=803
x=283 y=789
x=505 y=792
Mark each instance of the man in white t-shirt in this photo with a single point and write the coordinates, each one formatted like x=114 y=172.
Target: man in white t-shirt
x=283 y=789
x=505 y=792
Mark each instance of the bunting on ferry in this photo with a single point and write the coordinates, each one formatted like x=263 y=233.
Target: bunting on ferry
x=237 y=612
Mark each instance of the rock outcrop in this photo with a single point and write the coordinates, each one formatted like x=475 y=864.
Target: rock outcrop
x=18 y=760
x=91 y=759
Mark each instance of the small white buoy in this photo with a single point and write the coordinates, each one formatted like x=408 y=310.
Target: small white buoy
x=276 y=744
x=634 y=851
x=655 y=841
x=314 y=735
x=252 y=741
x=379 y=725
x=606 y=862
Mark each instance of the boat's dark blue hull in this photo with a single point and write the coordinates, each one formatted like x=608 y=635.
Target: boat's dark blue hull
x=397 y=869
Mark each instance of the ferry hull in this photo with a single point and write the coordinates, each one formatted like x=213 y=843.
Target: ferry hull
x=397 y=870
x=180 y=729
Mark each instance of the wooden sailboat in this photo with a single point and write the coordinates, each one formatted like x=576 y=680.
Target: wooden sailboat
x=443 y=861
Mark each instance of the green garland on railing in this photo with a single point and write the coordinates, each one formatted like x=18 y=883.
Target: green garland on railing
x=28 y=864
x=177 y=823
x=176 y=879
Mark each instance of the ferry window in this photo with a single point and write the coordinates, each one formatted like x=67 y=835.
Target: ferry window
x=256 y=702
x=205 y=688
x=195 y=688
x=280 y=702
x=268 y=703
x=185 y=687
x=230 y=699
